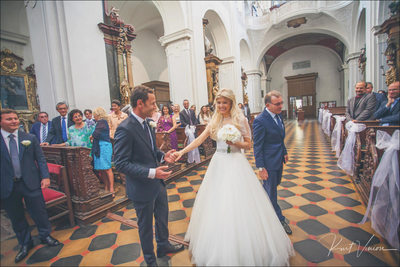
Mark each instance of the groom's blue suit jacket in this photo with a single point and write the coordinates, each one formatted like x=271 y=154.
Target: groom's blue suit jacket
x=269 y=146
x=134 y=156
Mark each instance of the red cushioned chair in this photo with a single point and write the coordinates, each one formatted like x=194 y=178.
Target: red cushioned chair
x=58 y=201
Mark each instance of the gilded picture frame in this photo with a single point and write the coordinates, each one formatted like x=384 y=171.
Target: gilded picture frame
x=14 y=91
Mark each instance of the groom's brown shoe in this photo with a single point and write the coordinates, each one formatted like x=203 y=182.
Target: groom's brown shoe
x=161 y=252
x=286 y=227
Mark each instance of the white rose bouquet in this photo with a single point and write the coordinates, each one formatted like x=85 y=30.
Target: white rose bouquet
x=229 y=133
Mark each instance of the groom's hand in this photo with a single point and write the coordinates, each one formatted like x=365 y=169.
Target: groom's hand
x=161 y=172
x=169 y=156
x=286 y=158
x=263 y=174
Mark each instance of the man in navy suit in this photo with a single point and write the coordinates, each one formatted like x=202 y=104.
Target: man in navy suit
x=269 y=149
x=378 y=96
x=23 y=173
x=41 y=128
x=187 y=115
x=389 y=111
x=59 y=126
x=137 y=156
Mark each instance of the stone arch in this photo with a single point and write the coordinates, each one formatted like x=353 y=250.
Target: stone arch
x=360 y=32
x=291 y=34
x=172 y=15
x=220 y=37
x=245 y=54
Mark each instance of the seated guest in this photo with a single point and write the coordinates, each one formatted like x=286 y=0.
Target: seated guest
x=210 y=110
x=379 y=97
x=389 y=112
x=79 y=133
x=240 y=105
x=23 y=177
x=362 y=106
x=167 y=124
x=58 y=133
x=102 y=149
x=88 y=115
x=41 y=128
x=116 y=117
x=204 y=117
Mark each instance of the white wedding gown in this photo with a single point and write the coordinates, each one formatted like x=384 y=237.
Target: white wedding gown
x=233 y=222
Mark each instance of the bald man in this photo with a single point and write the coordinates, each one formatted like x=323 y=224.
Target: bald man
x=389 y=111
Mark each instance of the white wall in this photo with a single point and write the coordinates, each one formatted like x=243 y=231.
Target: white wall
x=149 y=62
x=323 y=61
x=15 y=31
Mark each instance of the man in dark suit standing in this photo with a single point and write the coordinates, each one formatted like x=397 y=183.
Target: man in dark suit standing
x=388 y=113
x=59 y=126
x=41 y=128
x=369 y=89
x=187 y=115
x=23 y=173
x=246 y=111
x=362 y=106
x=270 y=150
x=137 y=156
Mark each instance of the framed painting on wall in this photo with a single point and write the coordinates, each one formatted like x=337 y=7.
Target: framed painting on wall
x=13 y=91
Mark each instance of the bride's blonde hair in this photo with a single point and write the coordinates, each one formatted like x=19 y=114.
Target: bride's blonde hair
x=217 y=119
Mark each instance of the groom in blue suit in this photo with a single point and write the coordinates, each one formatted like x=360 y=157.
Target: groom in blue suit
x=137 y=156
x=269 y=149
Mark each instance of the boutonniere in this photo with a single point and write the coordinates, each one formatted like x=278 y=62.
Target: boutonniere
x=152 y=124
x=26 y=143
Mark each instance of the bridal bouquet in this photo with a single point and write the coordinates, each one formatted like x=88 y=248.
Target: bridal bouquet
x=229 y=133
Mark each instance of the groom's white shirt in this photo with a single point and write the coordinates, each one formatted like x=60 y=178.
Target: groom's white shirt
x=152 y=171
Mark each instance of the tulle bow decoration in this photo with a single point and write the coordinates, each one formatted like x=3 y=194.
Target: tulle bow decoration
x=336 y=133
x=326 y=123
x=194 y=155
x=320 y=115
x=384 y=196
x=346 y=159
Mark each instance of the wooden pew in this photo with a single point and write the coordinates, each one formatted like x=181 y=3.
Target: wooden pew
x=367 y=158
x=341 y=111
x=208 y=147
x=87 y=199
x=163 y=141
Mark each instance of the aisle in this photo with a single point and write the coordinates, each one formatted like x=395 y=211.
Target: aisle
x=317 y=198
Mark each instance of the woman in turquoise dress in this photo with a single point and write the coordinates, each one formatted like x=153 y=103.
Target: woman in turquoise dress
x=102 y=149
x=78 y=134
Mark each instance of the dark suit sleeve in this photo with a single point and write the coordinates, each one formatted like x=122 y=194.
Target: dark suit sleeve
x=183 y=120
x=40 y=159
x=369 y=110
x=381 y=110
x=52 y=133
x=348 y=116
x=258 y=139
x=122 y=155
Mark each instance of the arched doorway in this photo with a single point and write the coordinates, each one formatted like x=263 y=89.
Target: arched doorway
x=305 y=54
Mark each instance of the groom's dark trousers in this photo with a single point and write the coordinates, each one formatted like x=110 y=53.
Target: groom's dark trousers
x=134 y=154
x=269 y=152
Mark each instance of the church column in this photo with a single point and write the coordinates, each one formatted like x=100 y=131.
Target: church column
x=354 y=74
x=179 y=54
x=68 y=53
x=254 y=90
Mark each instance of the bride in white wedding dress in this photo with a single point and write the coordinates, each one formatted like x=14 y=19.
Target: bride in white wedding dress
x=233 y=222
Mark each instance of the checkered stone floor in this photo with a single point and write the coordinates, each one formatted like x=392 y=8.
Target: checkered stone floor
x=317 y=198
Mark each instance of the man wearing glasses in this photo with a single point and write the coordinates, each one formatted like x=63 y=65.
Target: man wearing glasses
x=269 y=149
x=41 y=128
